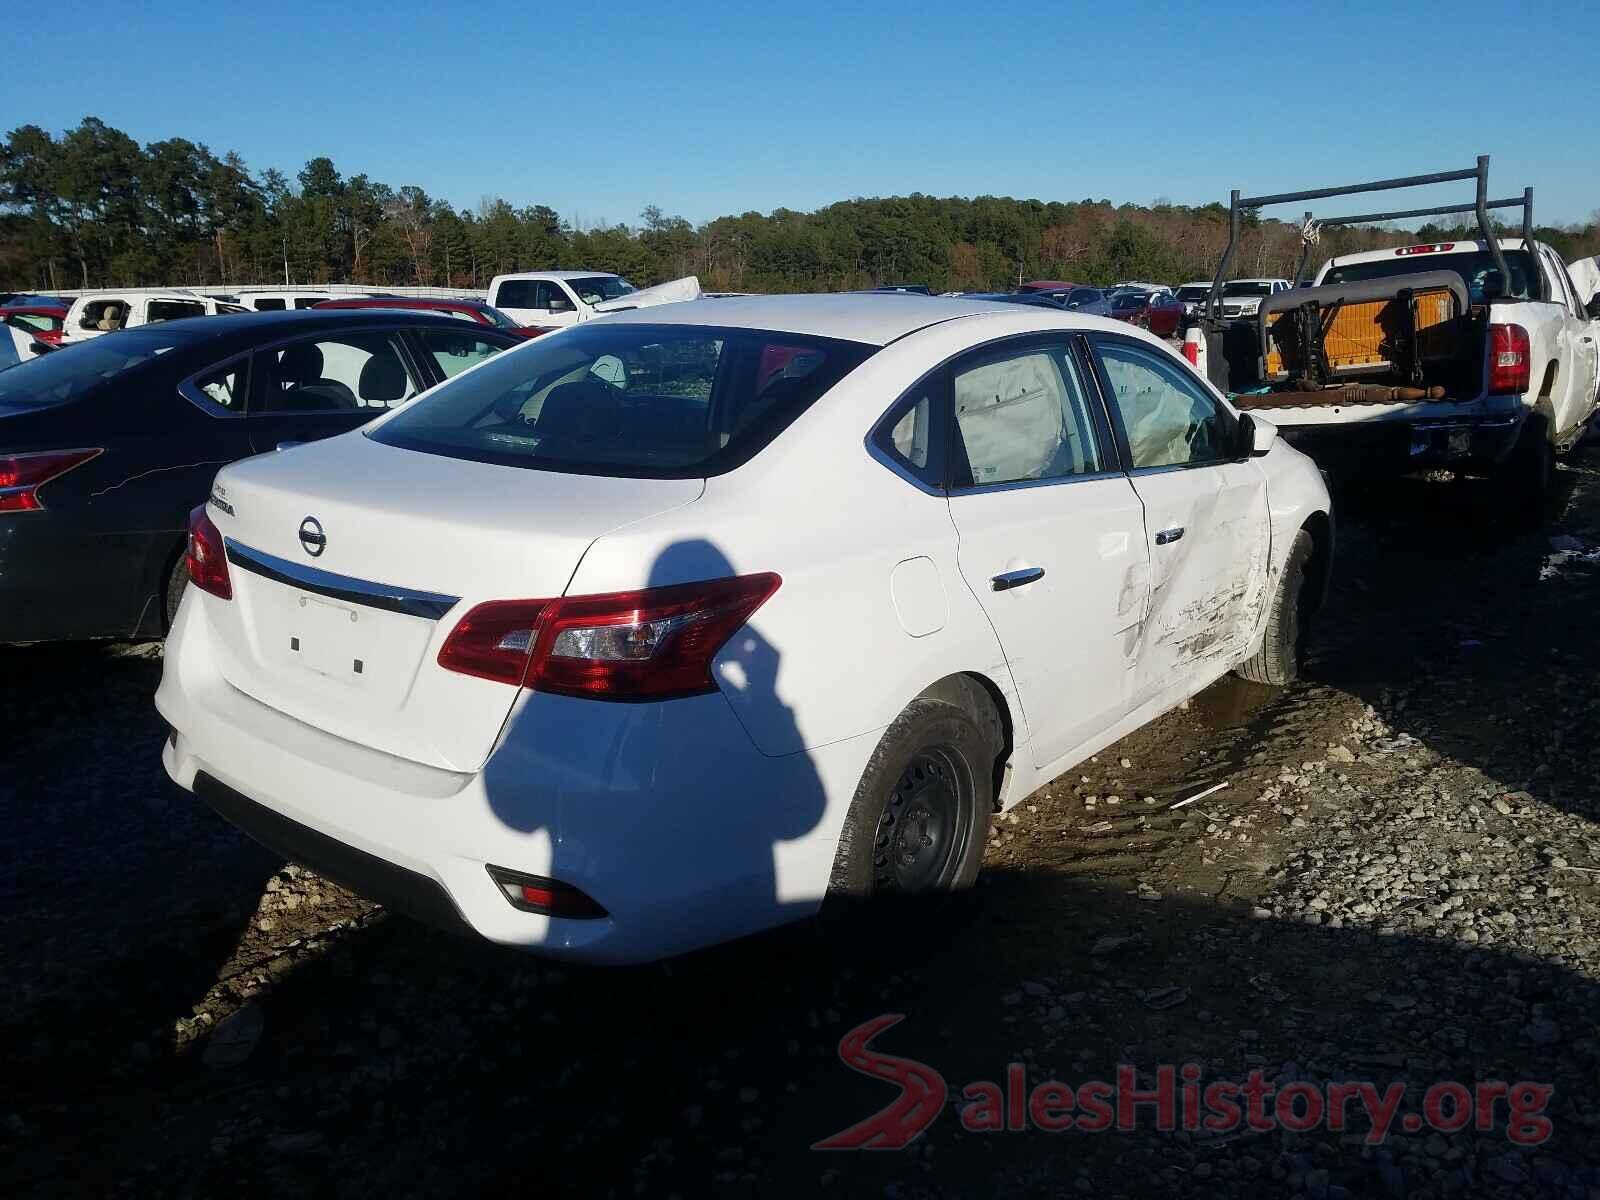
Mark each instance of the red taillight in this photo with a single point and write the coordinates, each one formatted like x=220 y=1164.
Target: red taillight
x=1510 y=360
x=536 y=894
x=207 y=560
x=22 y=475
x=1191 y=351
x=654 y=644
x=494 y=640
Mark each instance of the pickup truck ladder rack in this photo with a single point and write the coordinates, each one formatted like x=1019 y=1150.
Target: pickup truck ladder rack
x=1480 y=206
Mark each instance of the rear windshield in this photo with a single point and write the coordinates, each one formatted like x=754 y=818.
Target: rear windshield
x=650 y=401
x=74 y=371
x=1476 y=270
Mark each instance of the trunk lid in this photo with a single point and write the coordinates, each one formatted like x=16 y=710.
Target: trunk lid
x=344 y=632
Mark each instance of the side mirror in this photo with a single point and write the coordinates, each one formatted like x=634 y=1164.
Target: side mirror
x=1256 y=435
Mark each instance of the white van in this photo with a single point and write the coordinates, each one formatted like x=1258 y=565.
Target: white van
x=94 y=313
x=280 y=299
x=555 y=299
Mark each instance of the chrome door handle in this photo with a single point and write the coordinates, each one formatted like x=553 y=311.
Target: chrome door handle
x=1007 y=580
x=1167 y=536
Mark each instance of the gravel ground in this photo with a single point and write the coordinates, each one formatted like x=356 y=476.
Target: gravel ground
x=1398 y=884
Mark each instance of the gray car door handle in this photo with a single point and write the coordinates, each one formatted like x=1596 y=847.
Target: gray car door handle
x=1167 y=536
x=1007 y=580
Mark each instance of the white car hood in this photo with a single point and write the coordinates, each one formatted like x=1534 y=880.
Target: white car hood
x=671 y=292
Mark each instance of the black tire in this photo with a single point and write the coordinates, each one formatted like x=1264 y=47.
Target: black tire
x=177 y=580
x=1288 y=621
x=920 y=816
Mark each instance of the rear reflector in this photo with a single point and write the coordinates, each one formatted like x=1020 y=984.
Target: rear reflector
x=1510 y=360
x=652 y=644
x=536 y=894
x=207 y=559
x=22 y=475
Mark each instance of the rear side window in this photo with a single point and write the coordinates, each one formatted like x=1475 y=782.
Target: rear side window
x=172 y=310
x=455 y=352
x=1022 y=416
x=516 y=293
x=651 y=401
x=349 y=373
x=269 y=304
x=225 y=387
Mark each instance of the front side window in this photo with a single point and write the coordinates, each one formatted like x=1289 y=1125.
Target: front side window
x=350 y=373
x=667 y=401
x=1023 y=416
x=551 y=298
x=1170 y=420
x=455 y=352
x=1083 y=296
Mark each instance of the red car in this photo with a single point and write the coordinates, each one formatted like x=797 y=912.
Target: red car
x=1159 y=312
x=469 y=310
x=43 y=321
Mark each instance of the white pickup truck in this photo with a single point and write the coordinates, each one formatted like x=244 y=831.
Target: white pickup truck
x=1477 y=354
x=1514 y=382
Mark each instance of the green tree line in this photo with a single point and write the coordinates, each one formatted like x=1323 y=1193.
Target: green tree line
x=93 y=208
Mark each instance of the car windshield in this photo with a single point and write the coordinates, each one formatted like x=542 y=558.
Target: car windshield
x=68 y=374
x=600 y=288
x=1476 y=270
x=1127 y=300
x=648 y=401
x=1247 y=287
x=1197 y=292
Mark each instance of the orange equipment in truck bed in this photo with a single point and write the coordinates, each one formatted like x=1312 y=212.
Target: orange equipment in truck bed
x=1371 y=327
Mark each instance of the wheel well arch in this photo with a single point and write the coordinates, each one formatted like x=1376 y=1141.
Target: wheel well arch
x=975 y=692
x=1320 y=526
x=1548 y=387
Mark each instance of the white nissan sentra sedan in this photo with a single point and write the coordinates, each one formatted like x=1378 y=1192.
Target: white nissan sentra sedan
x=672 y=626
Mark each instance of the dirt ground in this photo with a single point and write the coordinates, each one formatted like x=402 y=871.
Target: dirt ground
x=1399 y=883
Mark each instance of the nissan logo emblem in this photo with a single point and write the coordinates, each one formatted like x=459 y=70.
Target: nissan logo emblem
x=312 y=538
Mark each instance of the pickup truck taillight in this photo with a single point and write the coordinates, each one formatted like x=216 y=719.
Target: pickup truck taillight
x=1510 y=360
x=655 y=644
x=22 y=475
x=207 y=559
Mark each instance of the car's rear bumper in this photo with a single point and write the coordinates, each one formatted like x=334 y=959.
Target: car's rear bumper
x=1390 y=446
x=666 y=815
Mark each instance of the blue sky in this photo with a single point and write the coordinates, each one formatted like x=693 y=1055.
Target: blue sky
x=711 y=108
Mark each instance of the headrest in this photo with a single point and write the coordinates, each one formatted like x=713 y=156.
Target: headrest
x=301 y=363
x=383 y=379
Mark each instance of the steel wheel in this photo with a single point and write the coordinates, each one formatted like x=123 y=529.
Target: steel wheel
x=922 y=836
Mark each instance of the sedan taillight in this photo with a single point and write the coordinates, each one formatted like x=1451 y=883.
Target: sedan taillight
x=22 y=475
x=207 y=558
x=653 y=644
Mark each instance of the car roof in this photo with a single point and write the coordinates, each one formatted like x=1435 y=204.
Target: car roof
x=416 y=302
x=558 y=275
x=873 y=318
x=1457 y=246
x=251 y=328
